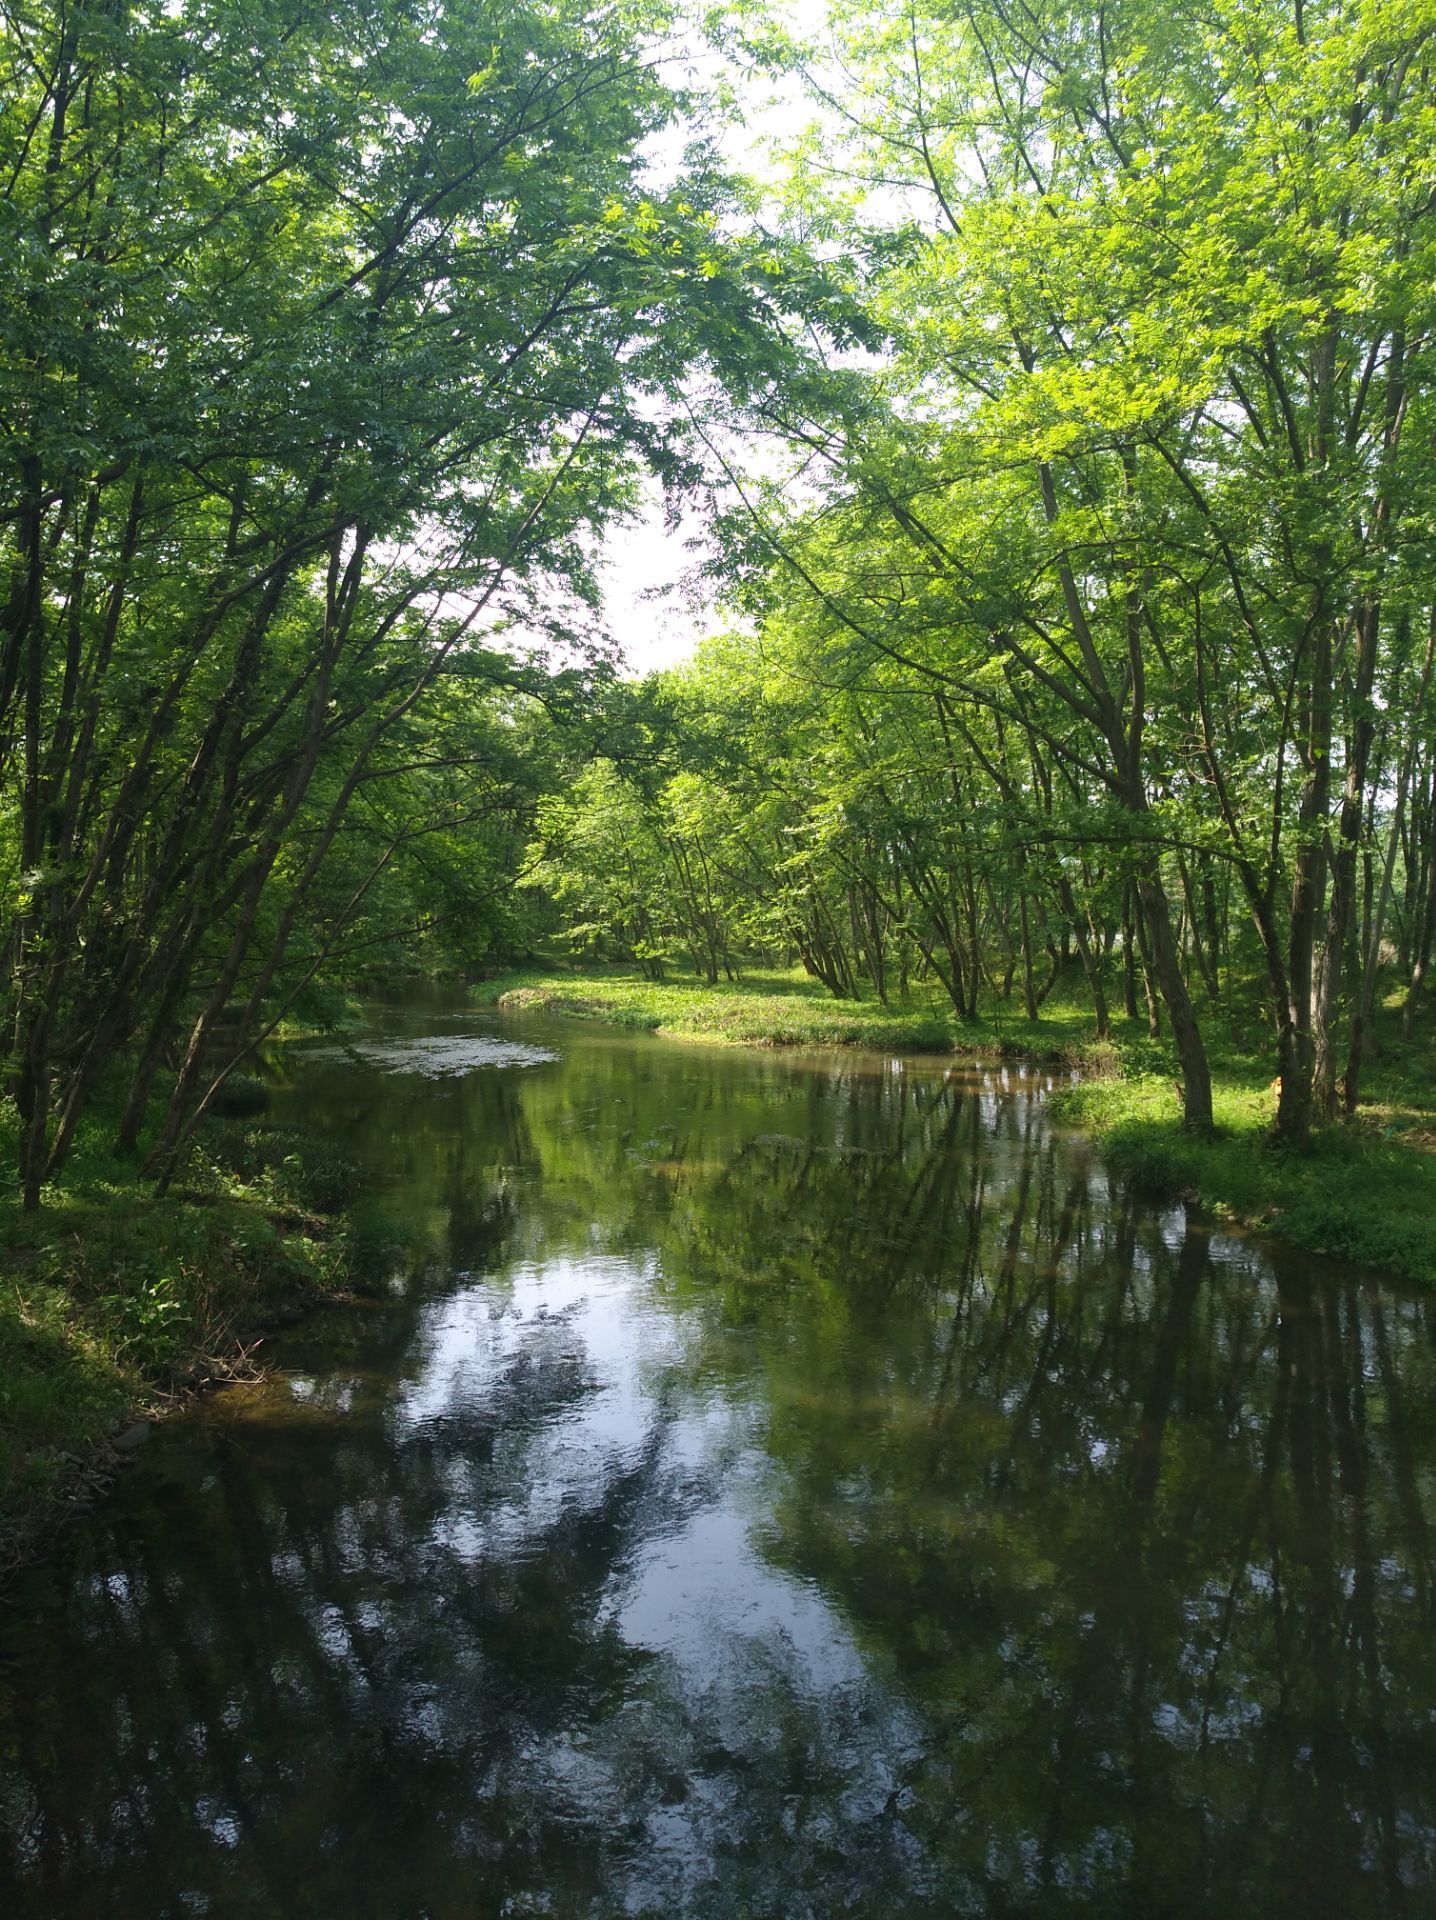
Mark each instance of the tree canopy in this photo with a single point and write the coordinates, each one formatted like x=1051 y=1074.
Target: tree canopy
x=1062 y=398
x=1104 y=590
x=334 y=338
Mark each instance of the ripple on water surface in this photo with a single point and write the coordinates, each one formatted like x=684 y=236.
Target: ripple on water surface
x=436 y=1056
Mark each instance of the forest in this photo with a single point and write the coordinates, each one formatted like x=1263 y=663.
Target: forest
x=772 y=1258
x=1053 y=389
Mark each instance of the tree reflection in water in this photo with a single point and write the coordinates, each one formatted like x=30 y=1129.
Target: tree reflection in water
x=798 y=1488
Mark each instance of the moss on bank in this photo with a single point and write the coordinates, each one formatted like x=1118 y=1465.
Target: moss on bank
x=1365 y=1191
x=114 y=1302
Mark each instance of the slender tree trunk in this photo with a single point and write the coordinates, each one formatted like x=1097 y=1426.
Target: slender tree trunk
x=1090 y=958
x=1029 y=991
x=1296 y=1054
x=1421 y=952
x=1149 y=972
x=1332 y=962
x=1196 y=1074
x=1194 y=923
x=1366 y=997
x=1129 y=957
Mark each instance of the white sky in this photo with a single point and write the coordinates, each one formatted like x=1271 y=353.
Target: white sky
x=650 y=601
x=652 y=618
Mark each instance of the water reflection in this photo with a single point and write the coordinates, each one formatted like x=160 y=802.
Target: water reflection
x=799 y=1488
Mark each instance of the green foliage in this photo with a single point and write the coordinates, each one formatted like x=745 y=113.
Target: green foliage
x=114 y=1299
x=281 y=1162
x=1355 y=1193
x=335 y=339
x=1110 y=577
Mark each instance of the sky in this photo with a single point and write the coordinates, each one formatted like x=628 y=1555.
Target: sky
x=646 y=606
x=650 y=600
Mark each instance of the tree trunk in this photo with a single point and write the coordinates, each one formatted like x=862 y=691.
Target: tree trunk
x=1029 y=990
x=1332 y=963
x=1376 y=919
x=1296 y=1053
x=1196 y=1074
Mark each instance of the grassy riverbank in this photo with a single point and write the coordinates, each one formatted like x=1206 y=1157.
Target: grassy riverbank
x=1365 y=1191
x=115 y=1303
x=779 y=1009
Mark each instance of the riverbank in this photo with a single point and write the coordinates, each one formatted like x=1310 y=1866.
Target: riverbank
x=1366 y=1190
x=779 y=1009
x=116 y=1304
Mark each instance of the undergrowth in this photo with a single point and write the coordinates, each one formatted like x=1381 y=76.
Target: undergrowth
x=114 y=1301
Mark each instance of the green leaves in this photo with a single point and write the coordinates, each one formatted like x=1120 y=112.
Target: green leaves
x=334 y=338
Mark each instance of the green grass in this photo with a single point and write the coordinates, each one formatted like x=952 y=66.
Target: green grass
x=1365 y=1191
x=782 y=1009
x=113 y=1302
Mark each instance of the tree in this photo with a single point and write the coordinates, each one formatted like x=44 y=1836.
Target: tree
x=1140 y=475
x=334 y=337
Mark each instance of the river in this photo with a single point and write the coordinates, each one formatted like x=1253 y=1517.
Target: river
x=790 y=1485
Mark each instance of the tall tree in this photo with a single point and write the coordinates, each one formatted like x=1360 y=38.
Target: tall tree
x=333 y=336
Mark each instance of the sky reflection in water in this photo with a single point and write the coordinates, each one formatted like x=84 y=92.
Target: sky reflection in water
x=797 y=1487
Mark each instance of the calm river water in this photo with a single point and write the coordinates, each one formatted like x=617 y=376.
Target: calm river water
x=796 y=1486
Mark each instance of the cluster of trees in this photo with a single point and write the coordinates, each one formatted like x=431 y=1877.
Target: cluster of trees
x=1098 y=610
x=1092 y=610
x=331 y=338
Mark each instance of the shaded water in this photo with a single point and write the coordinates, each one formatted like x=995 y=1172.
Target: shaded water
x=798 y=1487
